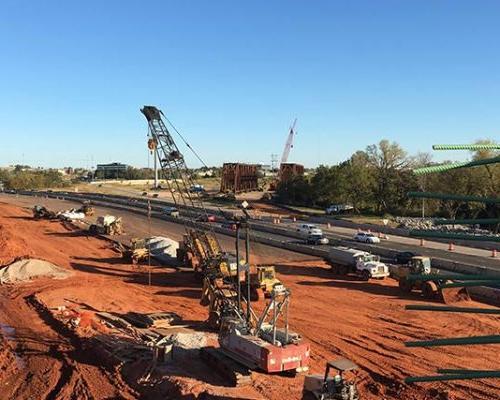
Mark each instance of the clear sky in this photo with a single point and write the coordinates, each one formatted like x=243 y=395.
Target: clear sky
x=231 y=75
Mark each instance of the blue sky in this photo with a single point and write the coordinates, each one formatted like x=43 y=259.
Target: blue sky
x=232 y=75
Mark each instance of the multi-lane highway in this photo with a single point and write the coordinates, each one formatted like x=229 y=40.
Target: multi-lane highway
x=134 y=210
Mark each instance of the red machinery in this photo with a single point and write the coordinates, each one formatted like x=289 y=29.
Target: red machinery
x=246 y=341
x=265 y=346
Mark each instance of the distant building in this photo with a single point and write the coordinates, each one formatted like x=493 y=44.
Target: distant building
x=110 y=171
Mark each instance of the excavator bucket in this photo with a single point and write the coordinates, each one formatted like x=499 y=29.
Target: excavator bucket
x=454 y=295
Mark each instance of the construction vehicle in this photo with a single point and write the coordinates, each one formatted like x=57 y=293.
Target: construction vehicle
x=337 y=387
x=42 y=212
x=267 y=280
x=246 y=341
x=430 y=288
x=107 y=225
x=257 y=343
x=87 y=209
x=345 y=260
x=137 y=251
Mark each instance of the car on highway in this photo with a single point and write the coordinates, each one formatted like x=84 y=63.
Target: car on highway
x=229 y=225
x=338 y=209
x=404 y=257
x=366 y=237
x=170 y=211
x=317 y=239
x=196 y=188
x=309 y=229
x=207 y=218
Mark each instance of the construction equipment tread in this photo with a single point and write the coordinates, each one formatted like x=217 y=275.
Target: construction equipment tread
x=237 y=374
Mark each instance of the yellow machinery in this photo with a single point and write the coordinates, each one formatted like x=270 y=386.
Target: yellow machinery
x=266 y=276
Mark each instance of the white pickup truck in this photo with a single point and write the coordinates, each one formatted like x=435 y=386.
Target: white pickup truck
x=345 y=260
x=312 y=234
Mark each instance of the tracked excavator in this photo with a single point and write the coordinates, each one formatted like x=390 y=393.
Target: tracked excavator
x=247 y=341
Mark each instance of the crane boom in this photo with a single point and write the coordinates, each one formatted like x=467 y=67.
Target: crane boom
x=172 y=163
x=289 y=142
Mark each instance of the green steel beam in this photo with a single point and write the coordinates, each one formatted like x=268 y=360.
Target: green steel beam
x=447 y=167
x=462 y=371
x=454 y=377
x=480 y=221
x=471 y=310
x=466 y=147
x=460 y=341
x=445 y=277
x=422 y=233
x=486 y=282
x=454 y=197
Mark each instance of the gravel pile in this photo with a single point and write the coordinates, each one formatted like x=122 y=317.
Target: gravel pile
x=428 y=224
x=26 y=270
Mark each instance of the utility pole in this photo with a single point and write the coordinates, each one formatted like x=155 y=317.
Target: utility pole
x=423 y=198
x=155 y=163
x=238 y=269
x=247 y=276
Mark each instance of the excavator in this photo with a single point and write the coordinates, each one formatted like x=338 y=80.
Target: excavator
x=247 y=341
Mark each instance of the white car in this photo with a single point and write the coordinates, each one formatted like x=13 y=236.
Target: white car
x=309 y=229
x=170 y=211
x=366 y=237
x=317 y=239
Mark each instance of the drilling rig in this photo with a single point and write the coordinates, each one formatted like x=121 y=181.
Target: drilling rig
x=246 y=341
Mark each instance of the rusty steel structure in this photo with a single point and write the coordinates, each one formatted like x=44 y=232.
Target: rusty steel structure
x=290 y=170
x=238 y=178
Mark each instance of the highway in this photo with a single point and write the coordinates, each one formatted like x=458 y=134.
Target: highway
x=137 y=225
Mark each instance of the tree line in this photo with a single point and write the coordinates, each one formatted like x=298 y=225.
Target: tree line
x=23 y=178
x=376 y=181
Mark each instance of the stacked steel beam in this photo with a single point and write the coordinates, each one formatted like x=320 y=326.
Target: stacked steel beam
x=457 y=374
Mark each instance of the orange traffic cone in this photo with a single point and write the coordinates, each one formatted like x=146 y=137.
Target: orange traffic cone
x=451 y=247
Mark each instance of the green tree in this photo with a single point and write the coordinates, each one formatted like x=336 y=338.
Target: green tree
x=387 y=160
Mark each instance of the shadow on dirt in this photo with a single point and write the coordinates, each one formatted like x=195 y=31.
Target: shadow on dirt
x=371 y=287
x=71 y=233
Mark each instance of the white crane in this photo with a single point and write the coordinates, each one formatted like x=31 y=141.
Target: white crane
x=289 y=142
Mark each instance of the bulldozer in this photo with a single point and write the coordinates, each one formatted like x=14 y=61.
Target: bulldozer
x=107 y=225
x=325 y=387
x=433 y=288
x=266 y=277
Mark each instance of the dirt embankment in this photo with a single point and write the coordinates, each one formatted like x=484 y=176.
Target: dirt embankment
x=363 y=321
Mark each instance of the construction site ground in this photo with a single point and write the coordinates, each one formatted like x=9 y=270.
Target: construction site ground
x=41 y=358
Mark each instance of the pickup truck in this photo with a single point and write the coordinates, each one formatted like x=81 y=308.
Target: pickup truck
x=312 y=234
x=338 y=209
x=345 y=260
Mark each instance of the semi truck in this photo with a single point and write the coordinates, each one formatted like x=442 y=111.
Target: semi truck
x=345 y=260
